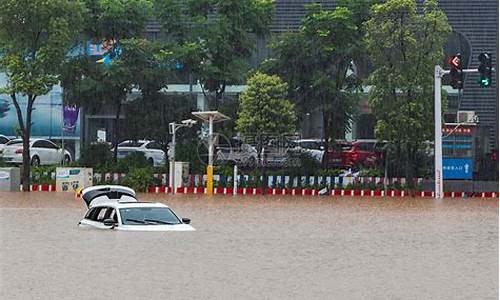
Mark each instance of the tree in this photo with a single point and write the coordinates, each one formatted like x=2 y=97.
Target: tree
x=404 y=47
x=223 y=34
x=119 y=23
x=317 y=62
x=264 y=110
x=35 y=36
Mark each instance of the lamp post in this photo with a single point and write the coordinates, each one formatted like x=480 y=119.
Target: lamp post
x=173 y=127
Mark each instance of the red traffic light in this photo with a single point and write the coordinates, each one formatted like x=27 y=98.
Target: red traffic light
x=455 y=61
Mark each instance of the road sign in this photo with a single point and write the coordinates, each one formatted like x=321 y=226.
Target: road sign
x=457 y=168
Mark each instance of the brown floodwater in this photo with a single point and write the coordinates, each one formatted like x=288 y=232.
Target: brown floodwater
x=277 y=247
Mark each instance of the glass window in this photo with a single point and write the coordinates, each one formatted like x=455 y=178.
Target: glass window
x=102 y=214
x=14 y=142
x=3 y=140
x=153 y=145
x=148 y=216
x=130 y=144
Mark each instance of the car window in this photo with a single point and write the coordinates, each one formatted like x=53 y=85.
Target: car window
x=101 y=216
x=153 y=145
x=3 y=140
x=51 y=145
x=93 y=213
x=130 y=144
x=14 y=142
x=38 y=144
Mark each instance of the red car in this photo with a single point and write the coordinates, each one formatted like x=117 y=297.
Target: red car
x=356 y=154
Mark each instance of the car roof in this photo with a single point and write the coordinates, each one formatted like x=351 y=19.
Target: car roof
x=119 y=204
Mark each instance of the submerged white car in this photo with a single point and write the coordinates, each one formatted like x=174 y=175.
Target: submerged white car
x=116 y=207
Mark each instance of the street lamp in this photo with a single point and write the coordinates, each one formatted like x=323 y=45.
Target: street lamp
x=172 y=128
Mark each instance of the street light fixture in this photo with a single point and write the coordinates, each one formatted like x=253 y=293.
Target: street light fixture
x=172 y=128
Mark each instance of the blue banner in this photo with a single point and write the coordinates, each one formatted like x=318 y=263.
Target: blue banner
x=457 y=168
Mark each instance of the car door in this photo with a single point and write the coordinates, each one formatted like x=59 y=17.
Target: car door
x=39 y=148
x=54 y=151
x=154 y=150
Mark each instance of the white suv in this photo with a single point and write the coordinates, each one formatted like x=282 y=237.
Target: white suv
x=151 y=150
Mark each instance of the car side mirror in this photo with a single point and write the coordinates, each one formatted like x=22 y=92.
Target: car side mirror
x=186 y=220
x=109 y=222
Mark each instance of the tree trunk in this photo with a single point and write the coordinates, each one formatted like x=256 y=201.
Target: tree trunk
x=410 y=169
x=25 y=135
x=326 y=135
x=116 y=131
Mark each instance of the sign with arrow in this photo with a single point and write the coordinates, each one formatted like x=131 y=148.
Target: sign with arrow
x=458 y=168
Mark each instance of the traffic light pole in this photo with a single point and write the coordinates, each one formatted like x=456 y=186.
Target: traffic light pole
x=438 y=146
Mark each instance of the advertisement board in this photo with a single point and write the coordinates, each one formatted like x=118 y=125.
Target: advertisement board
x=49 y=117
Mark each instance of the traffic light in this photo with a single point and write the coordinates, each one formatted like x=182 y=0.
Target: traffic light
x=457 y=76
x=484 y=69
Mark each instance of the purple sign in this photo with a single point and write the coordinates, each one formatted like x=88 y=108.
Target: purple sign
x=70 y=115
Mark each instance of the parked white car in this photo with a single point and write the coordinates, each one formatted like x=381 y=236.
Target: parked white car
x=3 y=140
x=42 y=152
x=151 y=150
x=116 y=207
x=314 y=147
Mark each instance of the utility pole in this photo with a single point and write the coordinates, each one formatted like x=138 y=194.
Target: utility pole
x=438 y=146
x=173 y=127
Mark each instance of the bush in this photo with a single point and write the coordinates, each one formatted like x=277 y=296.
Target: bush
x=43 y=175
x=135 y=160
x=95 y=155
x=139 y=179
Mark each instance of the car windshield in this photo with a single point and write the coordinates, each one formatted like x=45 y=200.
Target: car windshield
x=148 y=216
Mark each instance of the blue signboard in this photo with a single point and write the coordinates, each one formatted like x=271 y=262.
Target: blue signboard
x=457 y=168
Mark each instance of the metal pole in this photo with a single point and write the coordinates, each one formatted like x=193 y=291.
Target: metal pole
x=438 y=150
x=235 y=180
x=172 y=159
x=62 y=132
x=210 y=168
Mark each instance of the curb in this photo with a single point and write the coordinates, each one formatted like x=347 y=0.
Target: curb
x=311 y=192
x=40 y=188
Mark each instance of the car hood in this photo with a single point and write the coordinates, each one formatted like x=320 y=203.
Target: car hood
x=179 y=227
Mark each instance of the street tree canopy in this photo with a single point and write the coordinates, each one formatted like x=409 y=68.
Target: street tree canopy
x=35 y=36
x=264 y=108
x=404 y=47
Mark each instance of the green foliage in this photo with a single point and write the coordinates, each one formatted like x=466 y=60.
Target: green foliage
x=404 y=47
x=139 y=179
x=43 y=175
x=95 y=155
x=316 y=62
x=264 y=108
x=372 y=172
x=133 y=161
x=148 y=118
x=35 y=36
x=218 y=36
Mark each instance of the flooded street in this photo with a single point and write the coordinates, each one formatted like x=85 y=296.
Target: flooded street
x=254 y=248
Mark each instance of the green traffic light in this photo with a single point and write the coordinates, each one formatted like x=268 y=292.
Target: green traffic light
x=484 y=82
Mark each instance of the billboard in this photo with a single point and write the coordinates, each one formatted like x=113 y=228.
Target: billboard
x=50 y=119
